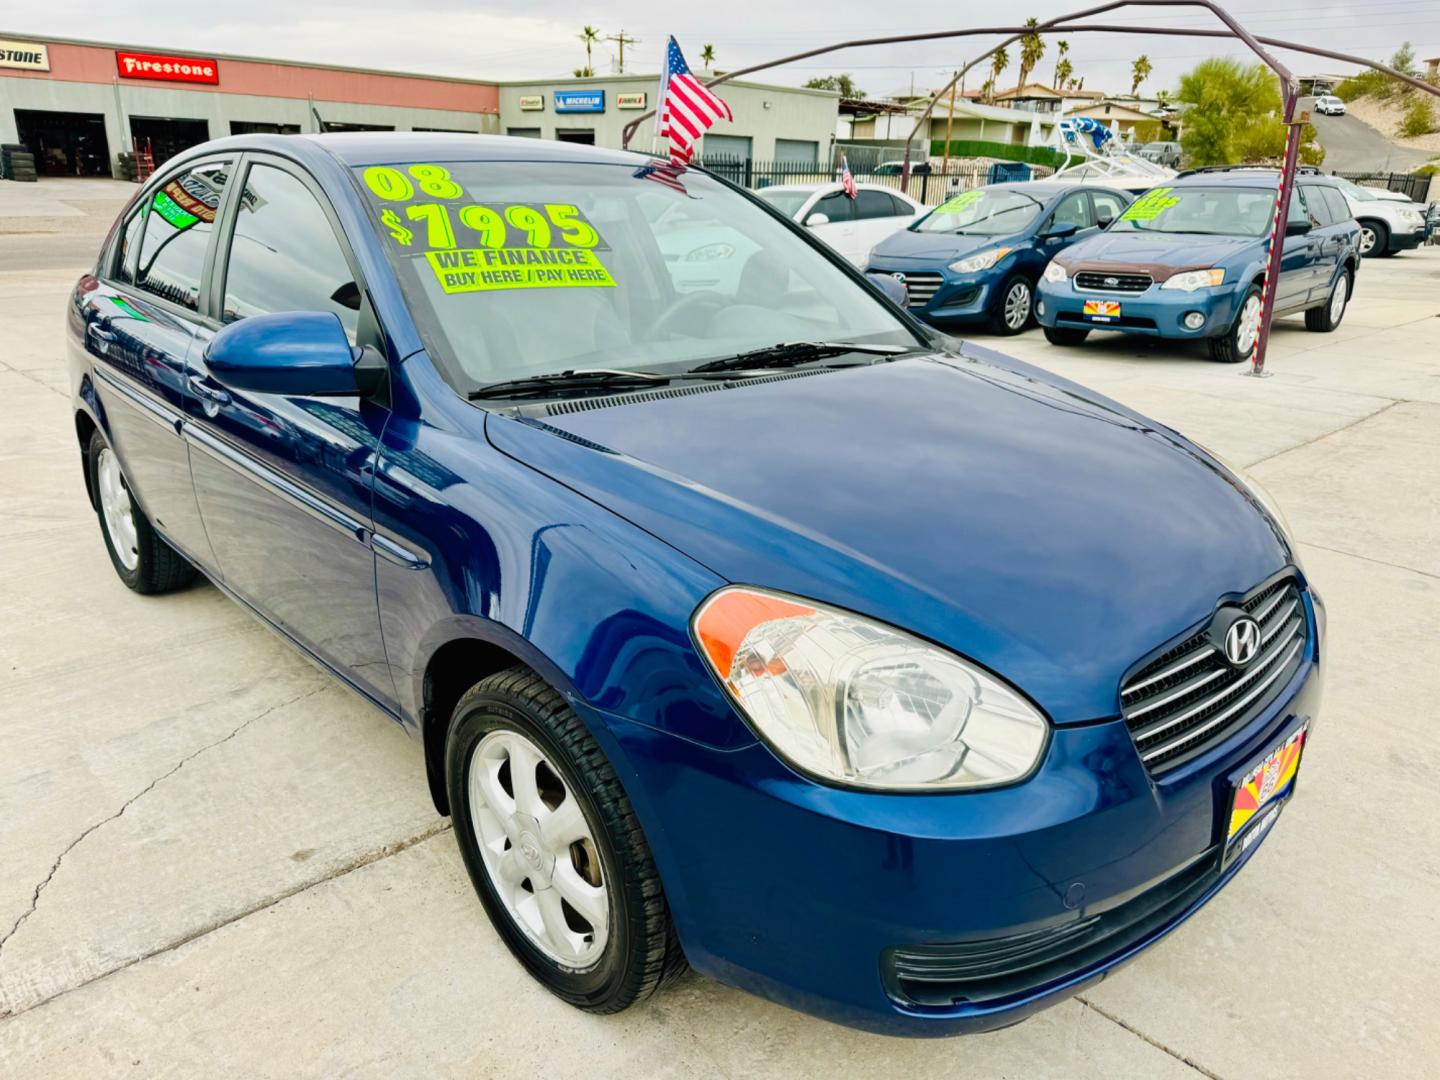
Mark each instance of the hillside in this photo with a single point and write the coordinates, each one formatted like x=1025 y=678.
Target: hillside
x=1385 y=116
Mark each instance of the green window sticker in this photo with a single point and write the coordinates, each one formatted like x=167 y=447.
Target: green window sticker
x=956 y=203
x=1150 y=205
x=172 y=213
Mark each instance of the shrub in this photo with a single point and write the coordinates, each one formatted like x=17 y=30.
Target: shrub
x=1419 y=118
x=1366 y=84
x=1035 y=155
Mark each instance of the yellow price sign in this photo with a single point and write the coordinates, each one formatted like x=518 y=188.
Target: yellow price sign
x=487 y=269
x=1150 y=205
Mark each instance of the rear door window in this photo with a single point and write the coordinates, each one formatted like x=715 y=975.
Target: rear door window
x=874 y=204
x=1108 y=206
x=179 y=218
x=837 y=207
x=1339 y=208
x=1074 y=209
x=1316 y=206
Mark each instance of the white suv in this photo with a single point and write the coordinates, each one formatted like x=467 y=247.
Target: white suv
x=1330 y=105
x=1386 y=224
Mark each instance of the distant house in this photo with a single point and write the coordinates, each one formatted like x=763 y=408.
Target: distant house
x=1037 y=97
x=865 y=121
x=1432 y=67
x=1120 y=116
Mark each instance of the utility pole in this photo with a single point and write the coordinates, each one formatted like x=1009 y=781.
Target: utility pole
x=949 y=131
x=623 y=41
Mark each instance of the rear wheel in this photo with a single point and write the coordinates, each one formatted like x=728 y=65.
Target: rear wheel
x=1238 y=343
x=553 y=846
x=1066 y=335
x=1374 y=239
x=1015 y=307
x=1327 y=317
x=142 y=558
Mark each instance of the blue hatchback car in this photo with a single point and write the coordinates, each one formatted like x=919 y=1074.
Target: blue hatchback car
x=976 y=258
x=764 y=630
x=1187 y=260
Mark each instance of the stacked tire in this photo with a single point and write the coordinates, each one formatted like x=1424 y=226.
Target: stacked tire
x=17 y=163
x=127 y=166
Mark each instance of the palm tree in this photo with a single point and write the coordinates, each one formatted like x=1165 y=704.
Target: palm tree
x=1139 y=72
x=998 y=63
x=1063 y=72
x=589 y=35
x=707 y=56
x=1061 y=48
x=1032 y=48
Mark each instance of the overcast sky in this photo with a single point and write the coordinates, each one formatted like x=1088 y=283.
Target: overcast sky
x=488 y=40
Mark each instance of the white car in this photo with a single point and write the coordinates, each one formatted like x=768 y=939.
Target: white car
x=1387 y=224
x=1329 y=105
x=850 y=226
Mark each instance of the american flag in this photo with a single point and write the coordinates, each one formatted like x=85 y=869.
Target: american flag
x=847 y=179
x=666 y=174
x=687 y=107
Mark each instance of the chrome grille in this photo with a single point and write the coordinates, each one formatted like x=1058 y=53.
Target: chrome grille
x=1191 y=697
x=922 y=287
x=1099 y=281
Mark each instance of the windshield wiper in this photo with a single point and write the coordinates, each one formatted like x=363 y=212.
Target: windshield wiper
x=573 y=379
x=793 y=353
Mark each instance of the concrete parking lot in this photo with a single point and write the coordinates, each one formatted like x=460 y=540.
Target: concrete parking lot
x=214 y=861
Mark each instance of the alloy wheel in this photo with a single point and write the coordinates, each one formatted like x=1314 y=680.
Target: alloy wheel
x=1017 y=305
x=117 y=510
x=1338 y=299
x=1248 y=332
x=1367 y=239
x=538 y=849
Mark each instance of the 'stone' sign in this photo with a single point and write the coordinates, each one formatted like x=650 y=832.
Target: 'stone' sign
x=579 y=101
x=25 y=55
x=532 y=102
x=630 y=101
x=188 y=69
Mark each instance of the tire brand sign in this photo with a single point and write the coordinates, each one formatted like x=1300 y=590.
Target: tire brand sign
x=187 y=69
x=25 y=55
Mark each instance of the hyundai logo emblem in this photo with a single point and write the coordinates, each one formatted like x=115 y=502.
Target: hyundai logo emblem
x=899 y=277
x=1111 y=282
x=1242 y=641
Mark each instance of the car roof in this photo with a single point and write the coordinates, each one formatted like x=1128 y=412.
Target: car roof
x=1047 y=189
x=826 y=185
x=357 y=148
x=1242 y=177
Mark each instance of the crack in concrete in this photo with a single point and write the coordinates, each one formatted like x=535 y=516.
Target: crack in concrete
x=59 y=859
x=357 y=863
x=1327 y=434
x=1147 y=1039
x=1370 y=559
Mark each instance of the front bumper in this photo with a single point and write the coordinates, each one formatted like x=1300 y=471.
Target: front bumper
x=1408 y=241
x=1157 y=312
x=818 y=897
x=958 y=299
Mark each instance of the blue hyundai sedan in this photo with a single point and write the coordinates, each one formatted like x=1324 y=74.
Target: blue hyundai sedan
x=1186 y=261
x=760 y=629
x=976 y=258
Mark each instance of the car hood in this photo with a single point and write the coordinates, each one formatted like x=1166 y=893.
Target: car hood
x=1158 y=256
x=1039 y=529
x=906 y=246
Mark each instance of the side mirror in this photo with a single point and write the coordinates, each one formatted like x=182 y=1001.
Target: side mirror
x=891 y=287
x=1104 y=222
x=817 y=218
x=1297 y=228
x=1061 y=231
x=293 y=353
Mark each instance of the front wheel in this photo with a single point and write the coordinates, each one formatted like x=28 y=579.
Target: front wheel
x=1326 y=318
x=1017 y=302
x=142 y=558
x=553 y=847
x=1066 y=335
x=1374 y=239
x=1238 y=343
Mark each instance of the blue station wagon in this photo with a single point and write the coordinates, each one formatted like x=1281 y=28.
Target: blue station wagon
x=1187 y=261
x=976 y=258
x=760 y=629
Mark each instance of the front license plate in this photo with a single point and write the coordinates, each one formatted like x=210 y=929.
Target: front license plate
x=1102 y=310
x=1260 y=792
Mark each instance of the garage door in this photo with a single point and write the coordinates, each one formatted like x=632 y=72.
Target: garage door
x=797 y=151
x=735 y=147
x=65 y=143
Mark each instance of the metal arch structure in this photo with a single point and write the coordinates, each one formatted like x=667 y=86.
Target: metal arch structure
x=1290 y=94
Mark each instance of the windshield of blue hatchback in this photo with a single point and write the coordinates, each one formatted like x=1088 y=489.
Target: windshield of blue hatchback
x=523 y=268
x=982 y=212
x=1221 y=210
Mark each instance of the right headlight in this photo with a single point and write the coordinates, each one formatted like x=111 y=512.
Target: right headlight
x=1191 y=280
x=851 y=701
x=1055 y=273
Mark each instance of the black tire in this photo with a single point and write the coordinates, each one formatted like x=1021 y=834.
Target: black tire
x=1388 y=252
x=1066 y=335
x=642 y=952
x=1014 y=306
x=1380 y=246
x=1324 y=319
x=1226 y=348
x=158 y=567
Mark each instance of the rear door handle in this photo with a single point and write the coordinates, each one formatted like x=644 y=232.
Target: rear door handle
x=204 y=390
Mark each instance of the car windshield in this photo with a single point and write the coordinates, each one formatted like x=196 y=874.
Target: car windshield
x=982 y=212
x=514 y=269
x=1355 y=191
x=787 y=202
x=1222 y=210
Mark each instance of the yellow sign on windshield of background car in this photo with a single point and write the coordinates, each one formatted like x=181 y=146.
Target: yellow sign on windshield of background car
x=497 y=246
x=1150 y=205
x=956 y=203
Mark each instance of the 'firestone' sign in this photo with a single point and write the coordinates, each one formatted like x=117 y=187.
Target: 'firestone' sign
x=191 y=69
x=25 y=55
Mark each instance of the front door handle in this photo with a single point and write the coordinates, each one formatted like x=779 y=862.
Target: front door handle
x=213 y=396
